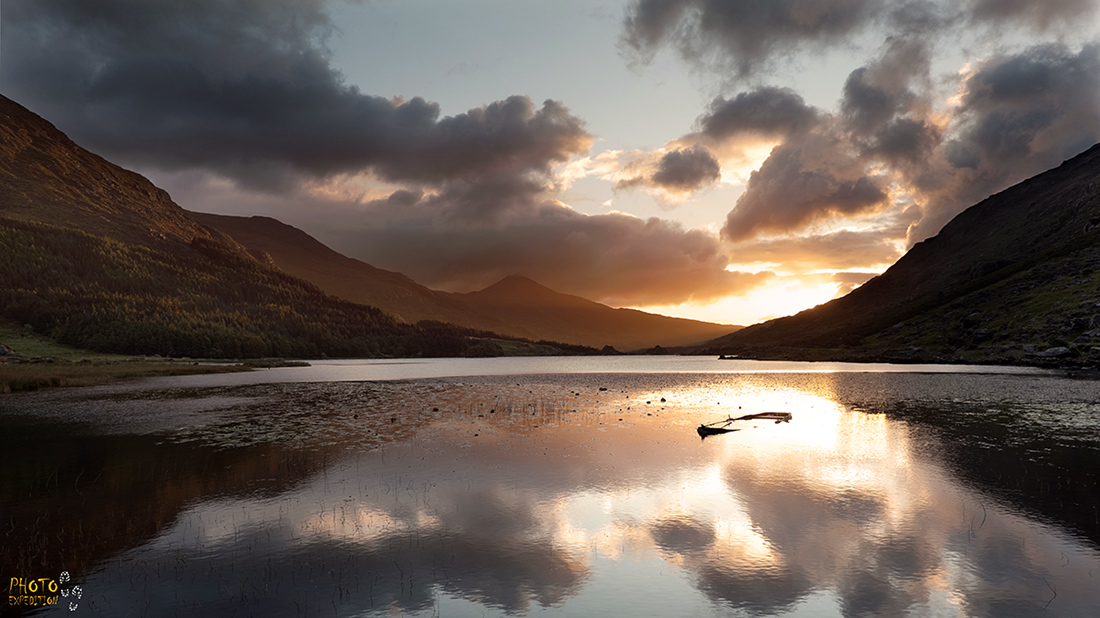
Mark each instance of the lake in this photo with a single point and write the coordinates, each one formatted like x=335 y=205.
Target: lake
x=558 y=487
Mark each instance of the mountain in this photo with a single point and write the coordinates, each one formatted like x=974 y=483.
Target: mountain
x=299 y=254
x=45 y=177
x=515 y=306
x=98 y=257
x=525 y=308
x=1014 y=278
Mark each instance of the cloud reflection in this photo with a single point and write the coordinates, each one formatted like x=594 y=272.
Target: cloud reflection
x=838 y=512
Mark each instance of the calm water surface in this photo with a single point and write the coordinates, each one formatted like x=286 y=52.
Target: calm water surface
x=564 y=487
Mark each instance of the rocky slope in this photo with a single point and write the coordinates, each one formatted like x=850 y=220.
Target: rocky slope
x=45 y=177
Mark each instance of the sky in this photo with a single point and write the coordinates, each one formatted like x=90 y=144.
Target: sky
x=730 y=161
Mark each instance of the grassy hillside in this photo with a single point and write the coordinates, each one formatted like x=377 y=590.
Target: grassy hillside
x=205 y=301
x=1045 y=304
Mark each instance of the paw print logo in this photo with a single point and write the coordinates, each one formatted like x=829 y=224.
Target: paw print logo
x=75 y=591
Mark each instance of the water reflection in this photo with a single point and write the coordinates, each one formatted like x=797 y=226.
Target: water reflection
x=550 y=495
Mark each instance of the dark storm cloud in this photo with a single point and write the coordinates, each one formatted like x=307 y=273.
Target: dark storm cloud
x=245 y=88
x=827 y=165
x=766 y=111
x=493 y=201
x=678 y=171
x=895 y=133
x=749 y=34
x=921 y=17
x=1020 y=114
x=866 y=106
x=887 y=88
x=816 y=171
x=1040 y=15
x=1017 y=106
x=686 y=169
x=886 y=107
x=905 y=140
x=797 y=186
x=748 y=38
x=1016 y=115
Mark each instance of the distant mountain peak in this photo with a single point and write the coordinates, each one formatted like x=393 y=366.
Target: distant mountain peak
x=518 y=279
x=518 y=290
x=517 y=284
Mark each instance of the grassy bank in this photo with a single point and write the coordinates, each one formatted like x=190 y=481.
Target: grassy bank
x=15 y=377
x=29 y=344
x=44 y=363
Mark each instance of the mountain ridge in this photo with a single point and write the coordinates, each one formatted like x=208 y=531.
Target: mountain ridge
x=47 y=176
x=516 y=305
x=97 y=257
x=297 y=253
x=520 y=289
x=1004 y=281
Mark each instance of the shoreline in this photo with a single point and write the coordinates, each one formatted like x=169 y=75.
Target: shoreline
x=917 y=356
x=36 y=374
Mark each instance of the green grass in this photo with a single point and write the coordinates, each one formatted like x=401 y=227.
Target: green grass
x=16 y=377
x=44 y=363
x=27 y=343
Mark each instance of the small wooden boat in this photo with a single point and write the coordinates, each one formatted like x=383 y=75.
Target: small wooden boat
x=705 y=431
x=722 y=426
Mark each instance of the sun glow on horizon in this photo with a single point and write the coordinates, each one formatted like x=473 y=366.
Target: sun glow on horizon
x=782 y=297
